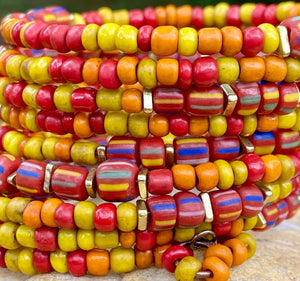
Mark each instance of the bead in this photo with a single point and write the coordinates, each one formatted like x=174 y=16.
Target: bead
x=3 y=205
x=208 y=15
x=32 y=214
x=225 y=148
x=235 y=125
x=58 y=260
x=71 y=69
x=63 y=216
x=166 y=100
x=136 y=18
x=183 y=176
x=179 y=125
x=226 y=177
x=187 y=268
x=250 y=125
x=146 y=73
x=126 y=70
x=167 y=71
x=293 y=68
x=152 y=153
x=127 y=239
x=160 y=181
x=209 y=40
x=283 y=211
x=90 y=71
x=272 y=168
x=90 y=37
x=126 y=39
x=73 y=37
x=29 y=94
x=250 y=223
x=263 y=142
x=143 y=259
x=62 y=149
x=98 y=262
x=13 y=94
x=122 y=260
x=126 y=217
x=66 y=239
x=131 y=100
x=250 y=243
x=269 y=98
x=41 y=261
x=138 y=125
x=8 y=236
x=77 y=263
x=108 y=77
x=105 y=217
x=228 y=70
x=252 y=69
x=45 y=238
x=109 y=100
x=255 y=167
x=158 y=252
x=36 y=153
x=84 y=215
x=288 y=98
x=233 y=16
x=217 y=125
x=164 y=236
x=158 y=125
x=220 y=251
x=184 y=234
x=145 y=240
x=198 y=125
x=55 y=68
x=276 y=69
x=144 y=37
x=232 y=40
x=115 y=123
x=239 y=251
x=253 y=41
x=185 y=74
x=286 y=141
x=84 y=153
x=106 y=239
x=25 y=262
x=271 y=41
x=187 y=41
x=62 y=97
x=197 y=17
x=48 y=211
x=207 y=175
x=205 y=71
x=11 y=259
x=164 y=40
x=44 y=97
x=12 y=66
x=81 y=125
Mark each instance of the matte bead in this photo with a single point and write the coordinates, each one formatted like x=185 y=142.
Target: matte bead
x=209 y=39
x=143 y=259
x=146 y=73
x=286 y=141
x=271 y=41
x=38 y=70
x=145 y=240
x=217 y=125
x=126 y=217
x=122 y=260
x=41 y=261
x=179 y=125
x=83 y=153
x=105 y=217
x=98 y=262
x=67 y=239
x=63 y=216
x=160 y=181
x=25 y=236
x=269 y=98
x=184 y=176
x=226 y=148
x=255 y=166
x=167 y=71
x=138 y=125
x=109 y=100
x=168 y=100
x=263 y=142
x=115 y=123
x=283 y=211
x=252 y=69
x=45 y=238
x=207 y=176
x=106 y=239
x=84 y=215
x=164 y=40
x=226 y=176
x=228 y=70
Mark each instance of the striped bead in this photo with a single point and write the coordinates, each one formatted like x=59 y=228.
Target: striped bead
x=288 y=98
x=191 y=151
x=294 y=34
x=204 y=101
x=263 y=142
x=269 y=98
x=226 y=204
x=190 y=210
x=270 y=214
x=69 y=182
x=226 y=148
x=293 y=204
x=168 y=100
x=116 y=180
x=286 y=141
x=163 y=212
x=283 y=210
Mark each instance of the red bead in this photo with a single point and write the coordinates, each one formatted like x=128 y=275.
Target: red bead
x=255 y=166
x=263 y=142
x=221 y=228
x=45 y=238
x=92 y=17
x=283 y=211
x=233 y=16
x=144 y=38
x=40 y=120
x=45 y=34
x=168 y=100
x=226 y=148
x=173 y=254
x=179 y=125
x=258 y=14
x=286 y=141
x=197 y=17
x=269 y=98
x=150 y=16
x=296 y=161
x=2 y=258
x=136 y=18
x=270 y=14
x=15 y=33
x=145 y=240
x=160 y=181
x=295 y=185
x=41 y=261
x=163 y=212
x=205 y=72
x=108 y=77
x=31 y=35
x=67 y=122
x=190 y=210
x=105 y=217
x=253 y=41
x=83 y=99
x=71 y=69
x=64 y=216
x=293 y=204
x=185 y=74
x=76 y=262
x=58 y=38
x=292 y=24
x=55 y=68
x=73 y=38
x=13 y=94
x=226 y=205
x=270 y=213
x=44 y=97
x=97 y=122
x=53 y=122
x=235 y=125
x=288 y=98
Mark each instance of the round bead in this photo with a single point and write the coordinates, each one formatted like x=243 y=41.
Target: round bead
x=25 y=262
x=217 y=125
x=144 y=37
x=8 y=236
x=232 y=41
x=272 y=168
x=98 y=262
x=209 y=40
x=84 y=215
x=276 y=69
x=83 y=153
x=58 y=260
x=239 y=250
x=109 y=100
x=106 y=239
x=63 y=216
x=41 y=261
x=179 y=125
x=48 y=211
x=187 y=269
x=185 y=74
x=77 y=263
x=228 y=70
x=106 y=36
x=108 y=77
x=293 y=68
x=131 y=101
x=252 y=69
x=126 y=39
x=205 y=71
x=55 y=68
x=167 y=71
x=115 y=123
x=160 y=181
x=271 y=37
x=126 y=70
x=288 y=167
x=90 y=36
x=207 y=175
x=253 y=41
x=187 y=41
x=122 y=260
x=73 y=37
x=184 y=176
x=226 y=177
x=66 y=239
x=45 y=238
x=145 y=240
x=255 y=167
x=105 y=217
x=126 y=217
x=146 y=73
x=164 y=40
x=138 y=125
x=250 y=125
x=62 y=97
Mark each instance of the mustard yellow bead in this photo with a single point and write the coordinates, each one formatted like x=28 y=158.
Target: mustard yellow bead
x=38 y=70
x=220 y=13
x=271 y=41
x=25 y=262
x=29 y=94
x=184 y=234
x=25 y=236
x=288 y=167
x=285 y=189
x=274 y=187
x=287 y=121
x=62 y=97
x=115 y=123
x=11 y=142
x=217 y=125
x=58 y=260
x=226 y=174
x=249 y=223
x=106 y=14
x=126 y=39
x=5 y=113
x=283 y=8
x=106 y=36
x=106 y=239
x=250 y=125
x=84 y=153
x=3 y=204
x=78 y=19
x=121 y=17
x=126 y=217
x=138 y=125
x=11 y=259
x=146 y=73
x=109 y=100
x=246 y=13
x=208 y=15
x=89 y=37
x=296 y=126
x=25 y=67
x=187 y=41
x=229 y=70
x=48 y=148
x=187 y=268
x=240 y=172
x=30 y=122
x=13 y=65
x=67 y=239
x=122 y=260
x=203 y=226
x=249 y=241
x=4 y=81
x=84 y=214
x=8 y=235
x=33 y=148
x=86 y=239
x=293 y=69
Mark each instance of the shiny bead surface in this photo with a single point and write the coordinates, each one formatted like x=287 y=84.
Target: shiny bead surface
x=25 y=262
x=126 y=217
x=166 y=100
x=84 y=214
x=106 y=239
x=263 y=142
x=160 y=181
x=187 y=269
x=217 y=125
x=152 y=153
x=276 y=69
x=255 y=167
x=209 y=40
x=184 y=176
x=164 y=40
x=77 y=263
x=251 y=69
x=58 y=260
x=271 y=36
x=167 y=71
x=105 y=217
x=89 y=37
x=187 y=41
x=126 y=39
x=98 y=262
x=67 y=239
x=146 y=73
x=272 y=168
x=205 y=71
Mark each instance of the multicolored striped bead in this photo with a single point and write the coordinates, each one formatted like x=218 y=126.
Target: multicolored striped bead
x=270 y=213
x=168 y=100
x=269 y=97
x=286 y=141
x=293 y=204
x=288 y=98
x=292 y=25
x=263 y=142
x=283 y=211
x=226 y=148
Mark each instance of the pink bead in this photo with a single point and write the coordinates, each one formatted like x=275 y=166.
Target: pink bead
x=150 y=16
x=258 y=14
x=15 y=33
x=105 y=217
x=13 y=94
x=197 y=17
x=92 y=17
x=160 y=181
x=31 y=35
x=71 y=70
x=253 y=41
x=233 y=16
x=255 y=166
x=45 y=34
x=108 y=77
x=145 y=240
x=226 y=148
x=270 y=14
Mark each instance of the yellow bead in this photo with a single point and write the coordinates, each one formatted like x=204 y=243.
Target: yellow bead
x=287 y=121
x=38 y=70
x=296 y=126
x=11 y=259
x=30 y=122
x=115 y=123
x=283 y=8
x=25 y=67
x=187 y=41
x=62 y=97
x=203 y=226
x=109 y=100
x=3 y=204
x=293 y=70
x=33 y=148
x=250 y=125
x=8 y=235
x=217 y=125
x=126 y=216
x=122 y=260
x=84 y=153
x=13 y=65
x=240 y=172
x=25 y=262
x=138 y=125
x=187 y=268
x=5 y=113
x=11 y=142
x=146 y=73
x=220 y=13
x=29 y=94
x=285 y=189
x=67 y=239
x=58 y=260
x=226 y=174
x=184 y=234
x=229 y=70
x=246 y=13
x=271 y=41
x=86 y=239
x=121 y=17
x=25 y=236
x=48 y=148
x=106 y=239
x=208 y=15
x=126 y=39
x=106 y=36
x=78 y=19
x=15 y=208
x=249 y=241
x=89 y=37
x=84 y=214
x=106 y=14
x=274 y=187
x=249 y=223
x=288 y=167
x=4 y=81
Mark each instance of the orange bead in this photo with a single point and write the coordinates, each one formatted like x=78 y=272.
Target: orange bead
x=164 y=236
x=184 y=176
x=131 y=101
x=81 y=125
x=238 y=249
x=98 y=262
x=220 y=251
x=48 y=211
x=21 y=146
x=143 y=259
x=184 y=16
x=14 y=117
x=164 y=40
x=220 y=270
x=126 y=70
x=171 y=14
x=127 y=239
x=32 y=214
x=22 y=117
x=6 y=28
x=90 y=71
x=3 y=58
x=276 y=69
x=158 y=252
x=198 y=125
x=167 y=71
x=207 y=175
x=159 y=125
x=209 y=40
x=273 y=168
x=294 y=11
x=136 y=86
x=267 y=123
x=252 y=69
x=62 y=149
x=237 y=227
x=161 y=15
x=232 y=41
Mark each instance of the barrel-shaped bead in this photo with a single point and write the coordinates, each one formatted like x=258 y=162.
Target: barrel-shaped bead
x=168 y=100
x=269 y=98
x=286 y=141
x=288 y=98
x=226 y=148
x=263 y=142
x=283 y=211
x=160 y=181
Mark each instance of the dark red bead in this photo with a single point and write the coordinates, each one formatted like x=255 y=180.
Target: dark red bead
x=84 y=99
x=168 y=100
x=53 y=122
x=13 y=94
x=67 y=122
x=97 y=122
x=286 y=141
x=105 y=217
x=41 y=261
x=145 y=240
x=2 y=258
x=40 y=120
